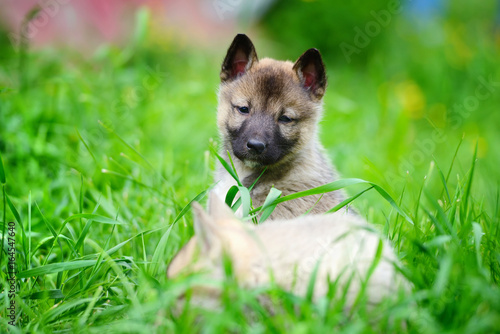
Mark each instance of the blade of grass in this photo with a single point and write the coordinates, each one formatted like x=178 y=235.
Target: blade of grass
x=119 y=272
x=144 y=255
x=478 y=234
x=2 y=172
x=453 y=160
x=46 y=294
x=51 y=229
x=436 y=222
x=106 y=171
x=4 y=194
x=339 y=184
x=419 y=197
x=94 y=217
x=3 y=181
x=257 y=179
x=336 y=185
x=469 y=181
x=115 y=248
x=443 y=275
x=120 y=166
x=454 y=206
x=80 y=201
x=312 y=207
x=443 y=181
x=83 y=234
x=186 y=208
x=96 y=267
x=246 y=201
x=29 y=229
x=438 y=241
x=55 y=312
x=396 y=221
x=42 y=242
x=369 y=273
x=312 y=282
x=159 y=252
x=424 y=183
x=441 y=215
x=46 y=222
x=126 y=144
x=55 y=268
x=227 y=167
x=231 y=194
x=20 y=223
x=90 y=306
x=236 y=204
x=93 y=273
x=348 y=200
x=87 y=147
x=85 y=230
x=268 y=206
x=232 y=164
x=4 y=221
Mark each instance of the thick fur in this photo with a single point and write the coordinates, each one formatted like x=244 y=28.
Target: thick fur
x=284 y=104
x=342 y=246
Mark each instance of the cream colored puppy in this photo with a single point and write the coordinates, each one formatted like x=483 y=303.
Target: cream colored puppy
x=342 y=247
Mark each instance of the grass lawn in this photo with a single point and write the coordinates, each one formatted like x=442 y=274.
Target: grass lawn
x=102 y=155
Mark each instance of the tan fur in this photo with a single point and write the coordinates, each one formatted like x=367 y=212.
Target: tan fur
x=275 y=88
x=342 y=246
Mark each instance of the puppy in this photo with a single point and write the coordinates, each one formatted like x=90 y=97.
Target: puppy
x=268 y=116
x=337 y=246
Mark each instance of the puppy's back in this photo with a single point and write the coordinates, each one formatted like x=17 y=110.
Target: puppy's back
x=340 y=245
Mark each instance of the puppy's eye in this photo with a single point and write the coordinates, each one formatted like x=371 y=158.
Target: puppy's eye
x=284 y=119
x=243 y=110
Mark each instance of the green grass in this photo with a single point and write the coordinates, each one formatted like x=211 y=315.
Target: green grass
x=98 y=171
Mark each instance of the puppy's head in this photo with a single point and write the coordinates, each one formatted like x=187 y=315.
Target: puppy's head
x=219 y=237
x=268 y=109
x=217 y=233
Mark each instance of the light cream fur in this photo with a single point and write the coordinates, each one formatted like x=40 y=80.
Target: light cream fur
x=343 y=247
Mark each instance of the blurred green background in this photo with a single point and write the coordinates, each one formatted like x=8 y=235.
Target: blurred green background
x=111 y=108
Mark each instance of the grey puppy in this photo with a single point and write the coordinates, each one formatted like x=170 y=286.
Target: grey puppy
x=268 y=118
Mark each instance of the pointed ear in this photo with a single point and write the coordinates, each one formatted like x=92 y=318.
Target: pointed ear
x=311 y=72
x=205 y=229
x=240 y=57
x=218 y=209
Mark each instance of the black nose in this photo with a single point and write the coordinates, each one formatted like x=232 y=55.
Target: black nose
x=256 y=146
